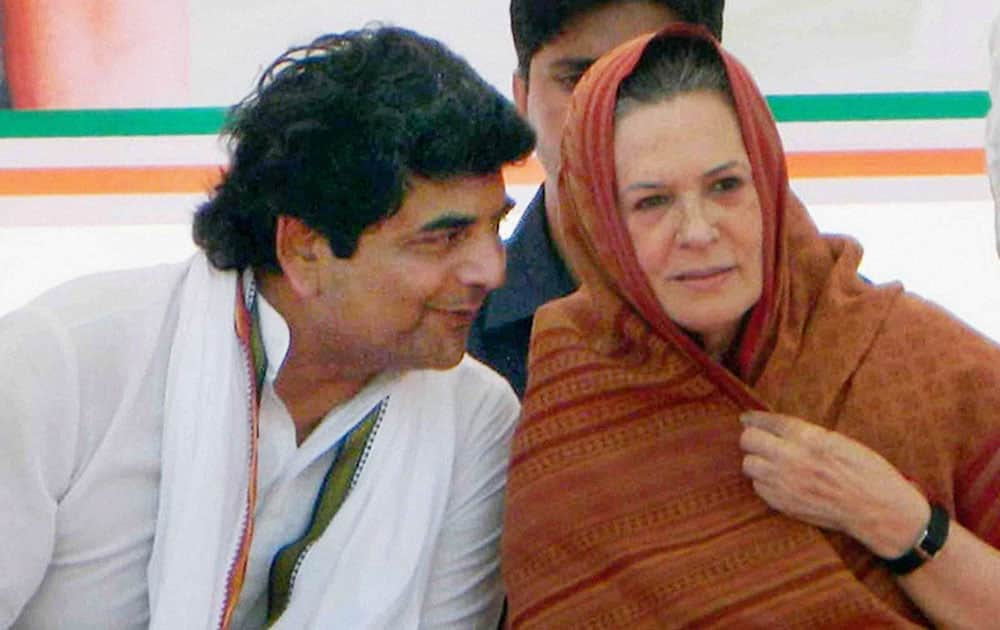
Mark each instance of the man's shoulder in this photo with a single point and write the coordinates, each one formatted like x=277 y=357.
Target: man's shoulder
x=101 y=315
x=103 y=294
x=470 y=392
x=470 y=379
x=482 y=405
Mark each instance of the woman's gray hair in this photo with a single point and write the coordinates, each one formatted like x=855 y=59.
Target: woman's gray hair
x=671 y=66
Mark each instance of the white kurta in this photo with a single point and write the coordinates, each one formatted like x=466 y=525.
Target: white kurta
x=82 y=388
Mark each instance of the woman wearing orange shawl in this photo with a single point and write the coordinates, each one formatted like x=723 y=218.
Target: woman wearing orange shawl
x=726 y=426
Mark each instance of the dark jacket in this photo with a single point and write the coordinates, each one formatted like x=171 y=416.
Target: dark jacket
x=536 y=274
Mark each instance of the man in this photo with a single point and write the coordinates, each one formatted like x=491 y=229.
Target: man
x=284 y=428
x=556 y=41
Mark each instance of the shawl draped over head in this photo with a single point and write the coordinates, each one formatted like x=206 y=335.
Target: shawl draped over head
x=626 y=504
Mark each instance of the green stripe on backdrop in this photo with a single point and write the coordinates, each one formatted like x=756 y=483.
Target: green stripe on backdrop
x=208 y=120
x=111 y=122
x=886 y=106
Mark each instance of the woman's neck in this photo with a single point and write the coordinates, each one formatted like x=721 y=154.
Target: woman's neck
x=718 y=342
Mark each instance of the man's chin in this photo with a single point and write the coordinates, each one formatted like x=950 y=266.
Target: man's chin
x=446 y=363
x=444 y=358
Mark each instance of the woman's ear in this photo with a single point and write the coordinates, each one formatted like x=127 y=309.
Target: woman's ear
x=302 y=253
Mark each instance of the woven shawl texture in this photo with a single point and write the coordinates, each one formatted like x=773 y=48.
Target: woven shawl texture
x=626 y=505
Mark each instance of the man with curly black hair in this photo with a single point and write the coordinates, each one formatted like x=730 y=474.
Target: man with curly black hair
x=284 y=429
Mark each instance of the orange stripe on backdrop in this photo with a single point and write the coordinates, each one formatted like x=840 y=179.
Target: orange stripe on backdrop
x=901 y=163
x=200 y=179
x=114 y=180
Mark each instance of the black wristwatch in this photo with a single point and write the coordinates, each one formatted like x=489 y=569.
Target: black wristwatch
x=928 y=544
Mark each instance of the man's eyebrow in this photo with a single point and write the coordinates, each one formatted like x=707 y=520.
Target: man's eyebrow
x=573 y=64
x=457 y=220
x=449 y=221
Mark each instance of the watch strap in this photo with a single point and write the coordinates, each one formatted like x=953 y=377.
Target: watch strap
x=930 y=542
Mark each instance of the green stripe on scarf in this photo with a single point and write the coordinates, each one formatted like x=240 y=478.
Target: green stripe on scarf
x=335 y=489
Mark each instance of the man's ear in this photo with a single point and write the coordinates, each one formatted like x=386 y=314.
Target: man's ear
x=519 y=86
x=302 y=254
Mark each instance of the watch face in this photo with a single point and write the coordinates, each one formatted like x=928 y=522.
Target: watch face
x=936 y=533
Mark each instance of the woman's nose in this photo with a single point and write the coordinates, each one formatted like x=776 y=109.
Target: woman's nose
x=697 y=227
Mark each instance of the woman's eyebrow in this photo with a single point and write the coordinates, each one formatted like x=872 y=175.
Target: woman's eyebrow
x=722 y=167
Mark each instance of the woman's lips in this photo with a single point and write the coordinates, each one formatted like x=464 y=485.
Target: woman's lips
x=707 y=279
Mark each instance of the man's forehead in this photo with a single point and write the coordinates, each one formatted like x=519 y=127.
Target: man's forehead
x=436 y=204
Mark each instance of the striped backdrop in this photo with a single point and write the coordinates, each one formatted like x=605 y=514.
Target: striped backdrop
x=177 y=151
x=83 y=191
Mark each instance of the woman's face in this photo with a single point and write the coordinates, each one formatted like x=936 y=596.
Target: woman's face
x=685 y=190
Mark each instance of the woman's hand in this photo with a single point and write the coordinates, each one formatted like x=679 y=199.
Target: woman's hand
x=832 y=481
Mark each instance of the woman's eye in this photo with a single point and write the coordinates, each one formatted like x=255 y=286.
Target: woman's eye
x=653 y=201
x=726 y=184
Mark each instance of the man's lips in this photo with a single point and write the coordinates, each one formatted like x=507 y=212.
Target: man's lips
x=460 y=313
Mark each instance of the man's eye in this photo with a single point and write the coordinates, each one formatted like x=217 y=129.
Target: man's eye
x=569 y=81
x=440 y=239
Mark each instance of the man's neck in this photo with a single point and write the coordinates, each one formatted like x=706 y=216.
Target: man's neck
x=551 y=207
x=309 y=382
x=309 y=396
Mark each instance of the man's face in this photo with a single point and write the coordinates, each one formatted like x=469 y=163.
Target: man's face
x=557 y=66
x=408 y=295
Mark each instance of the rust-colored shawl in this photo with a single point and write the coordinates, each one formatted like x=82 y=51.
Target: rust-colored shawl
x=626 y=505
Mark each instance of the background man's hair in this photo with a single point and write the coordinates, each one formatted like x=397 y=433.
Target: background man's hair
x=534 y=23
x=335 y=129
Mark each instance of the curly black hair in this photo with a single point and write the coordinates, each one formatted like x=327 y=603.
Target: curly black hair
x=334 y=130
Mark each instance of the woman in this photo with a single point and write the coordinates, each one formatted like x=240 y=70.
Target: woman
x=726 y=426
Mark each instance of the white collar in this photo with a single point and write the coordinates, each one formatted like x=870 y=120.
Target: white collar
x=274 y=332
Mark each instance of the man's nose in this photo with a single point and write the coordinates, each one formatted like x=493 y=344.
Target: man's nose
x=484 y=264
